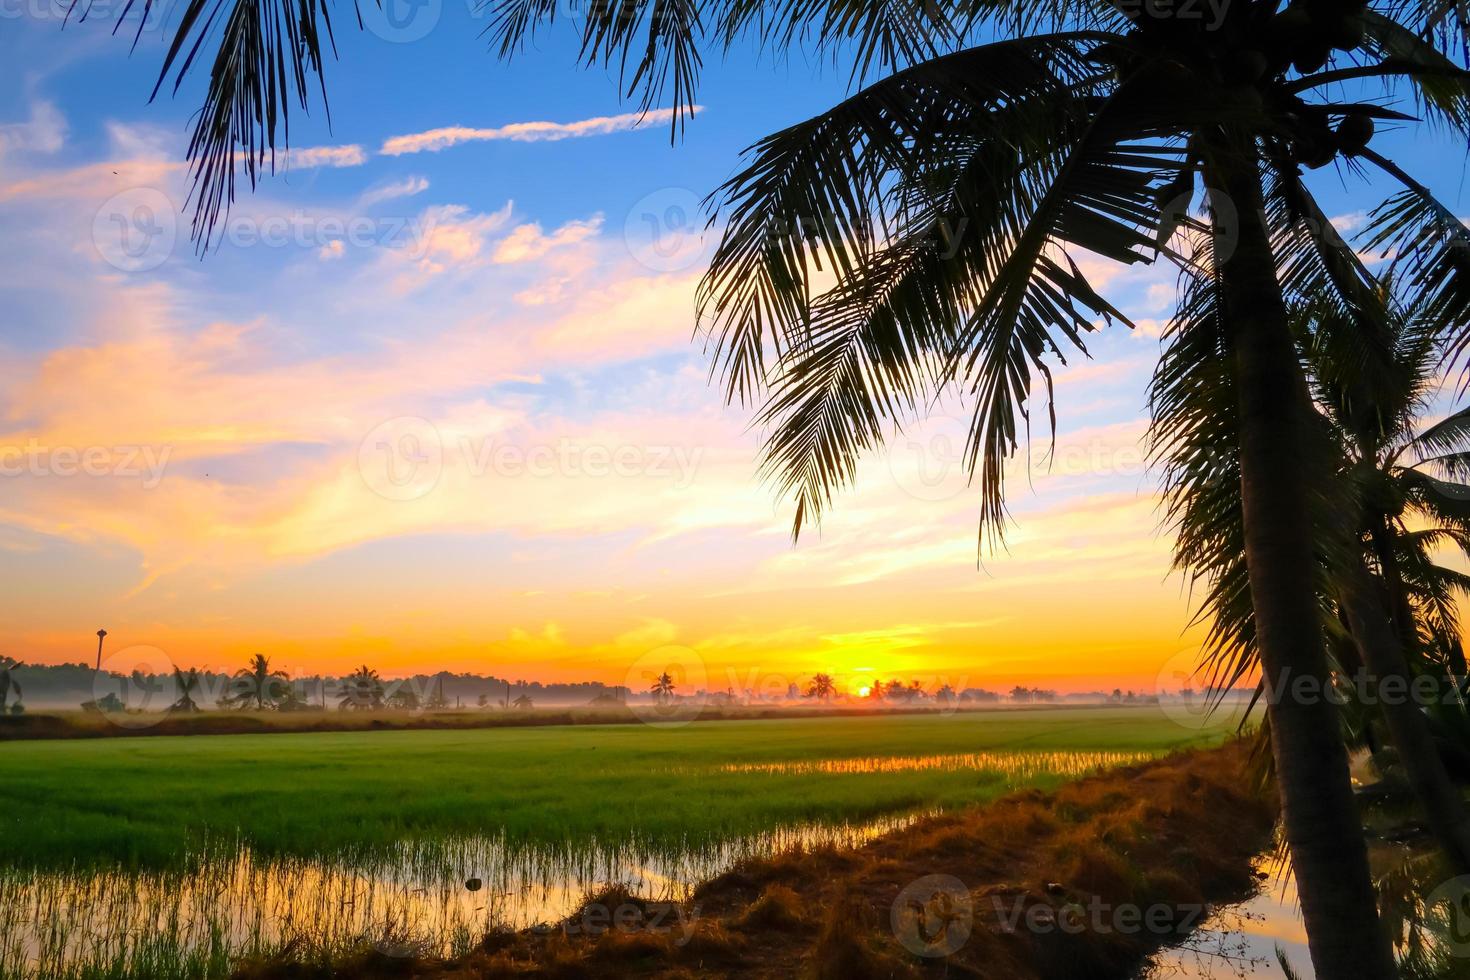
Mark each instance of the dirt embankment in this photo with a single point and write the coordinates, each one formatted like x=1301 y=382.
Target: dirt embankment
x=1078 y=884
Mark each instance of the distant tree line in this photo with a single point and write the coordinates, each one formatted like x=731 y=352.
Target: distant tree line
x=260 y=685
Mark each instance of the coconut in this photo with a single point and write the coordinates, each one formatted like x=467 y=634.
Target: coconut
x=1348 y=32
x=1316 y=154
x=1355 y=132
x=1311 y=57
x=1292 y=24
x=1246 y=66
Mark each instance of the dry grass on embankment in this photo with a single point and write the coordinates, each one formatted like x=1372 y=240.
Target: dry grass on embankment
x=1168 y=835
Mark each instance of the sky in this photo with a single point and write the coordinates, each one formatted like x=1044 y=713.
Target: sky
x=437 y=400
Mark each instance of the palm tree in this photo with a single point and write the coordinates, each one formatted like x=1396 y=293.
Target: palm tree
x=1371 y=384
x=947 y=199
x=8 y=682
x=663 y=688
x=186 y=684
x=822 y=688
x=362 y=690
x=256 y=685
x=1396 y=599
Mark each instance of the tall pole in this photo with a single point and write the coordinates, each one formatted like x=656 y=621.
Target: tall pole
x=100 y=635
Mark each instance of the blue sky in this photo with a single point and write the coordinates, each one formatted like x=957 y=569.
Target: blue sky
x=530 y=314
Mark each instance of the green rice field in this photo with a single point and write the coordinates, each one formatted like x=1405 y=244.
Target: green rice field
x=233 y=845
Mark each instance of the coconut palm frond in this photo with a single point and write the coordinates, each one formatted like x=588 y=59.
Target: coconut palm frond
x=1413 y=40
x=950 y=253
x=1430 y=253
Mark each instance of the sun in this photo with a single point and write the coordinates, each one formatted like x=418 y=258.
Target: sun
x=864 y=691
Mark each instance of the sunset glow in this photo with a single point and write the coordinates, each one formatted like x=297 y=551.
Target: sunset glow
x=433 y=402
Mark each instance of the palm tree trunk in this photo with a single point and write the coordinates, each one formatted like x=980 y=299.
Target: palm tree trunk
x=1383 y=653
x=1385 y=548
x=1322 y=826
x=1455 y=656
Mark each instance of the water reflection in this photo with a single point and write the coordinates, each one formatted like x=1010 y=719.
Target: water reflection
x=1016 y=766
x=1420 y=903
x=1241 y=940
x=60 y=924
x=233 y=902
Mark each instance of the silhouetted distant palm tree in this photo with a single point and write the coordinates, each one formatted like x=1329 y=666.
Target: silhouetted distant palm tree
x=663 y=688
x=8 y=682
x=822 y=688
x=523 y=703
x=256 y=686
x=187 y=684
x=362 y=690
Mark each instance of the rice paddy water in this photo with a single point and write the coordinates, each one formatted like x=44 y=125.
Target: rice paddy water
x=435 y=896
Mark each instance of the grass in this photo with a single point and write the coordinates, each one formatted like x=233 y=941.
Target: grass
x=186 y=858
x=1117 y=842
x=148 y=802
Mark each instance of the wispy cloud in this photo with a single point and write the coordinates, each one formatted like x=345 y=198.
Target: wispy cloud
x=407 y=187
x=434 y=140
x=44 y=132
x=528 y=242
x=326 y=156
